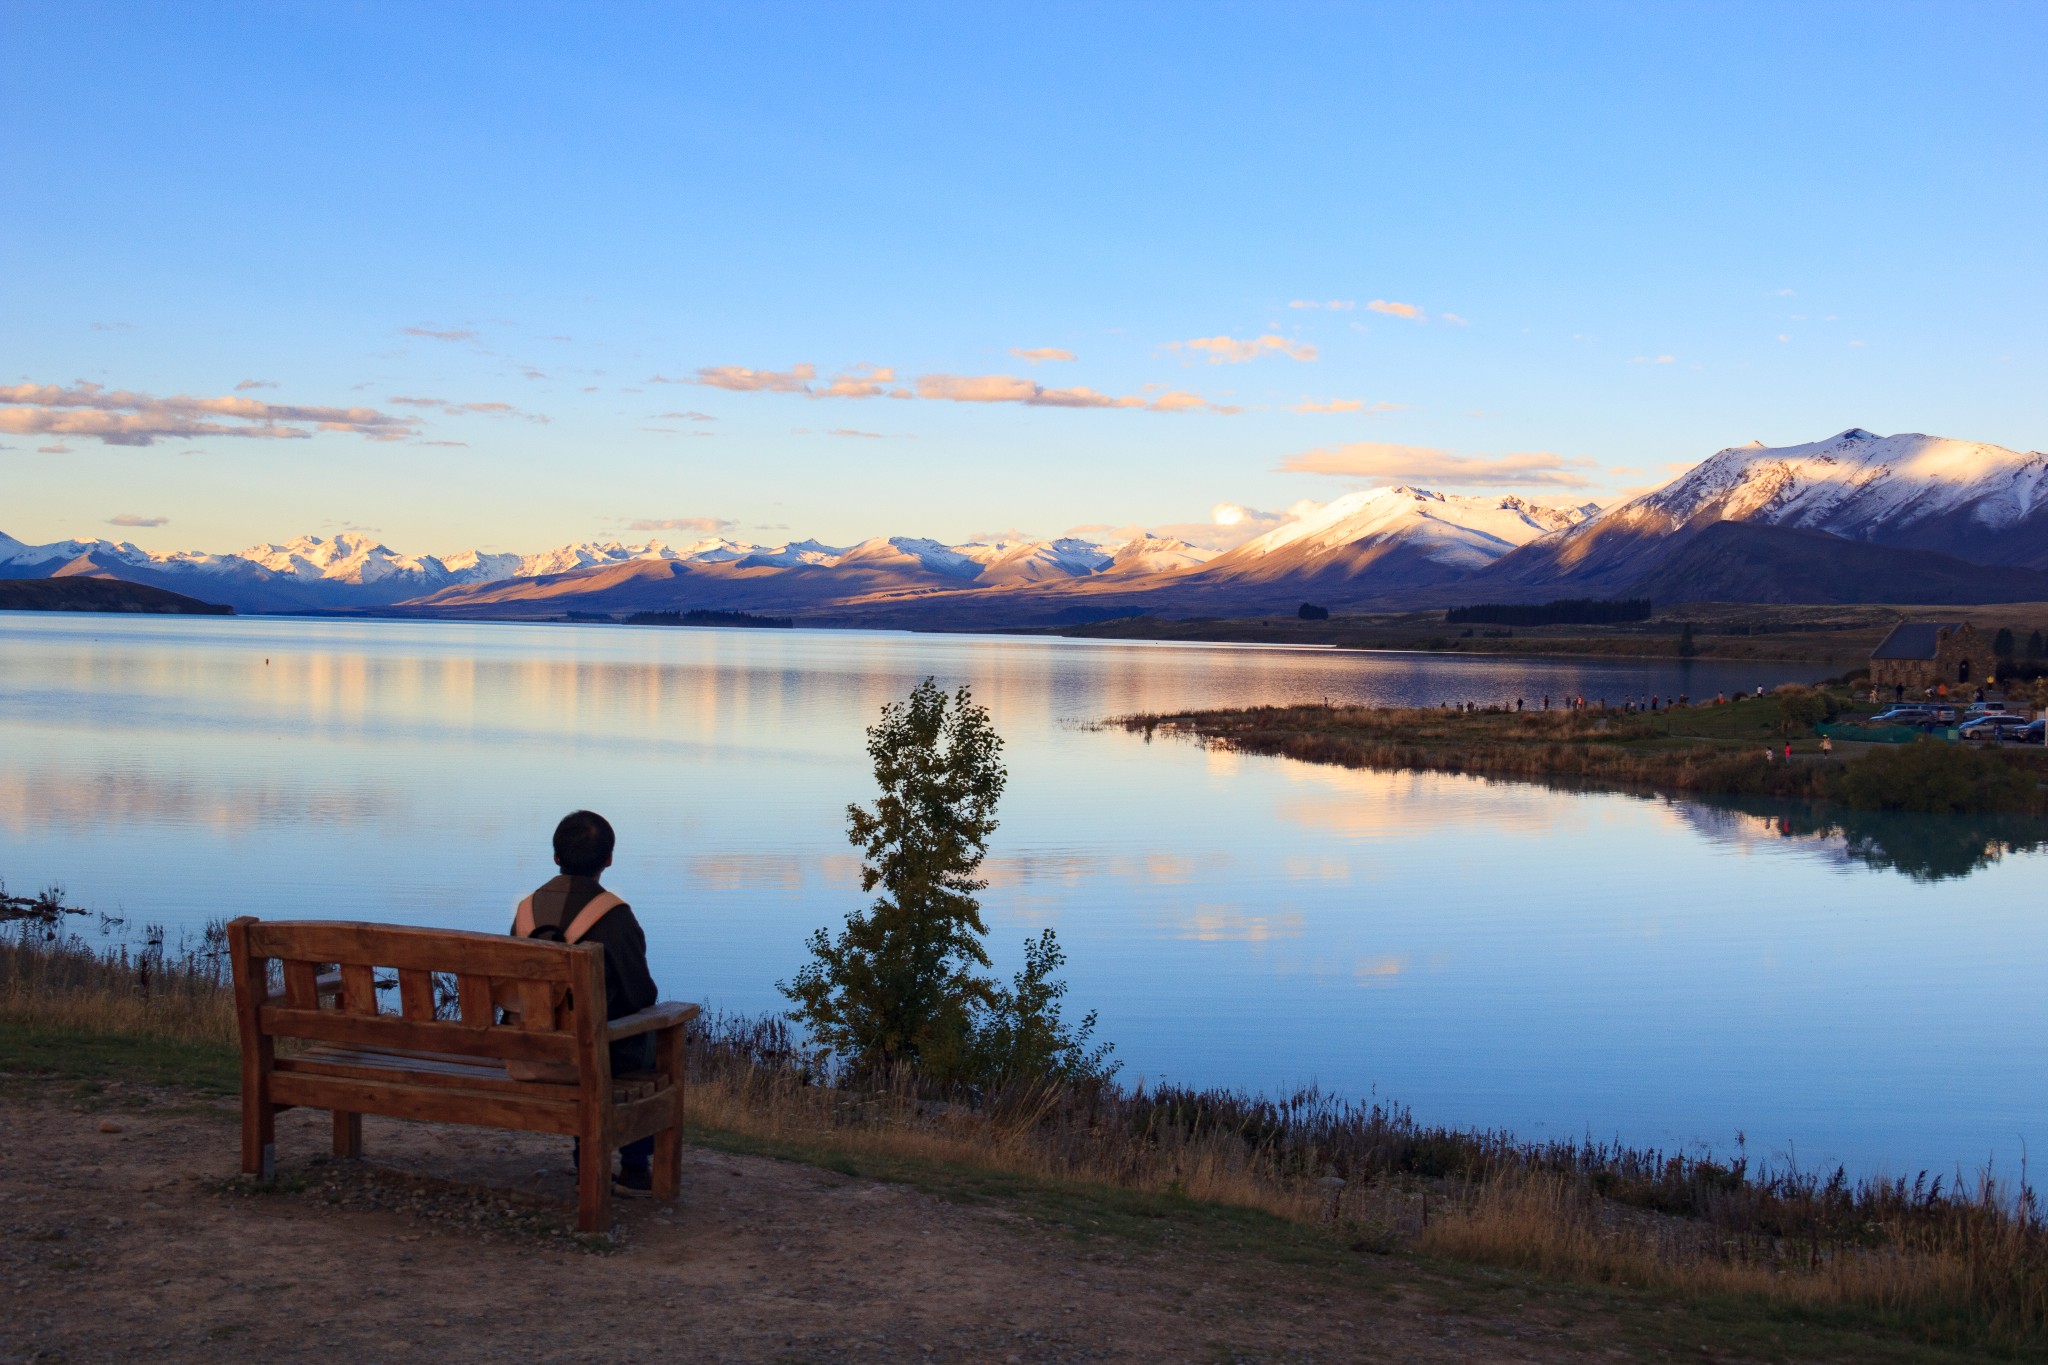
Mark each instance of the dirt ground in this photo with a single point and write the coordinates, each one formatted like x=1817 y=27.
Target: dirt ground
x=141 y=1244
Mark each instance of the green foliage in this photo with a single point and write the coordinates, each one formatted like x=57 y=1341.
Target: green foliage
x=2035 y=645
x=1932 y=777
x=2002 y=643
x=1802 y=708
x=900 y=984
x=1022 y=1037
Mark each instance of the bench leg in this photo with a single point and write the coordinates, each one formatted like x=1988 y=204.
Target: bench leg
x=594 y=1187
x=259 y=1138
x=668 y=1164
x=348 y=1134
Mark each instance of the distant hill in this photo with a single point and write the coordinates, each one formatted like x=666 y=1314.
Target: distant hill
x=1735 y=561
x=99 y=594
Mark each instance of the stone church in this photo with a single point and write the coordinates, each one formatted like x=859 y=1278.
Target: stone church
x=1921 y=654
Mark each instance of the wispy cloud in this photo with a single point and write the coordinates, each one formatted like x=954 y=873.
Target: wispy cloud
x=692 y=416
x=130 y=519
x=113 y=326
x=1653 y=360
x=1004 y=388
x=1039 y=354
x=433 y=333
x=880 y=381
x=861 y=381
x=703 y=526
x=58 y=449
x=454 y=409
x=1232 y=351
x=1395 y=310
x=248 y=384
x=1453 y=319
x=862 y=435
x=1348 y=405
x=1428 y=464
x=740 y=379
x=1334 y=305
x=1174 y=400
x=120 y=417
x=452 y=445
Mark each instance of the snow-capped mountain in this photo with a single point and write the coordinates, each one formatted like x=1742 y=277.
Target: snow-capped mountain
x=1150 y=554
x=1954 y=505
x=1400 y=537
x=1972 y=501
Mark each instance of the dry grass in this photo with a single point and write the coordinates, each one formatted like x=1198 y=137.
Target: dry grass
x=1945 y=1263
x=60 y=982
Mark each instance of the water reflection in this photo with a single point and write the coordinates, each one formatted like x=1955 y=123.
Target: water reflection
x=1926 y=848
x=1491 y=952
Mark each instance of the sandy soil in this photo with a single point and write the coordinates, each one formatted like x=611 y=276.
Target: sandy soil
x=141 y=1244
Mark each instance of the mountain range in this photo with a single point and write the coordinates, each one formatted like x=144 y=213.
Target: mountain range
x=1856 y=517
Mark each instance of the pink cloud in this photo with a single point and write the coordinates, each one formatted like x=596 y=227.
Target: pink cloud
x=1428 y=464
x=1037 y=354
x=120 y=417
x=1223 y=350
x=1395 y=310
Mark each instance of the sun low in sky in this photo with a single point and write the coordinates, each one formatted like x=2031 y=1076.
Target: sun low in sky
x=510 y=276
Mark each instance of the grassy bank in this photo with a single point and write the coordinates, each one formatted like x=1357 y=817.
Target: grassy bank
x=1930 y=1260
x=1707 y=750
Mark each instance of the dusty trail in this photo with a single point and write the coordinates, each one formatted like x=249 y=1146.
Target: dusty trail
x=138 y=1244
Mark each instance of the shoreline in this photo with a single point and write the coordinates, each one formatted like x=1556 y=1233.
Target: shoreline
x=1702 y=751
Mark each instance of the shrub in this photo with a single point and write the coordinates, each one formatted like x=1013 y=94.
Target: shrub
x=1932 y=777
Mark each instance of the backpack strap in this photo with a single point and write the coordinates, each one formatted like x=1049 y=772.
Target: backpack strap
x=602 y=904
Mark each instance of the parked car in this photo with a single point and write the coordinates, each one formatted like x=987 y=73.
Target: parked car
x=1992 y=727
x=1903 y=715
x=2030 y=733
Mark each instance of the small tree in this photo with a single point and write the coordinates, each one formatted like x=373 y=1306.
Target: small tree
x=1686 y=648
x=1309 y=611
x=2002 y=643
x=899 y=983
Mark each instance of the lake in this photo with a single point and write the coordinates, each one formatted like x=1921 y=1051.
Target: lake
x=1493 y=954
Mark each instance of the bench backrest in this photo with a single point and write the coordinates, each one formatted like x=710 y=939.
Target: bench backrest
x=558 y=988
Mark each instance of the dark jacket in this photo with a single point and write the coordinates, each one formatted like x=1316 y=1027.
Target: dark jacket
x=628 y=985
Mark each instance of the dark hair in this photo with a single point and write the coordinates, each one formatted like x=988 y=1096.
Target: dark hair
x=583 y=843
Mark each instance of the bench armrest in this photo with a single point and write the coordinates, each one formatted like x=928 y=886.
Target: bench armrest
x=667 y=1014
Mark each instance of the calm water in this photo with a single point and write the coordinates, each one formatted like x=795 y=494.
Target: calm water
x=1491 y=954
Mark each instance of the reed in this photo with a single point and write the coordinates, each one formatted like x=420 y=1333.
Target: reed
x=1942 y=1259
x=59 y=982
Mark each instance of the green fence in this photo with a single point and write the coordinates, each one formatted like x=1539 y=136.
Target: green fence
x=1876 y=734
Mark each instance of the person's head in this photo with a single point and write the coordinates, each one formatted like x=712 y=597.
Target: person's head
x=583 y=843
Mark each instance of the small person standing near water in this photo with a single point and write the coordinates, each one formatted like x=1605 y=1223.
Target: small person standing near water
x=575 y=908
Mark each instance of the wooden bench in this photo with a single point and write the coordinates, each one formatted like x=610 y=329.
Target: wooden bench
x=413 y=1064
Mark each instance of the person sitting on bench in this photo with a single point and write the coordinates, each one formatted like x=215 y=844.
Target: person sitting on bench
x=574 y=908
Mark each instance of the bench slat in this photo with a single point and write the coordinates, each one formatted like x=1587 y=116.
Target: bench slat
x=434 y=1103
x=301 y=985
x=358 y=988
x=333 y=1026
x=419 y=1068
x=433 y=950
x=416 y=994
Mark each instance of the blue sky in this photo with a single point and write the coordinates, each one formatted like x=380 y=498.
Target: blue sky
x=1605 y=240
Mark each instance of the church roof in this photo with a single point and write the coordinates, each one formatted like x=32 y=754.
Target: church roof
x=1914 y=640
